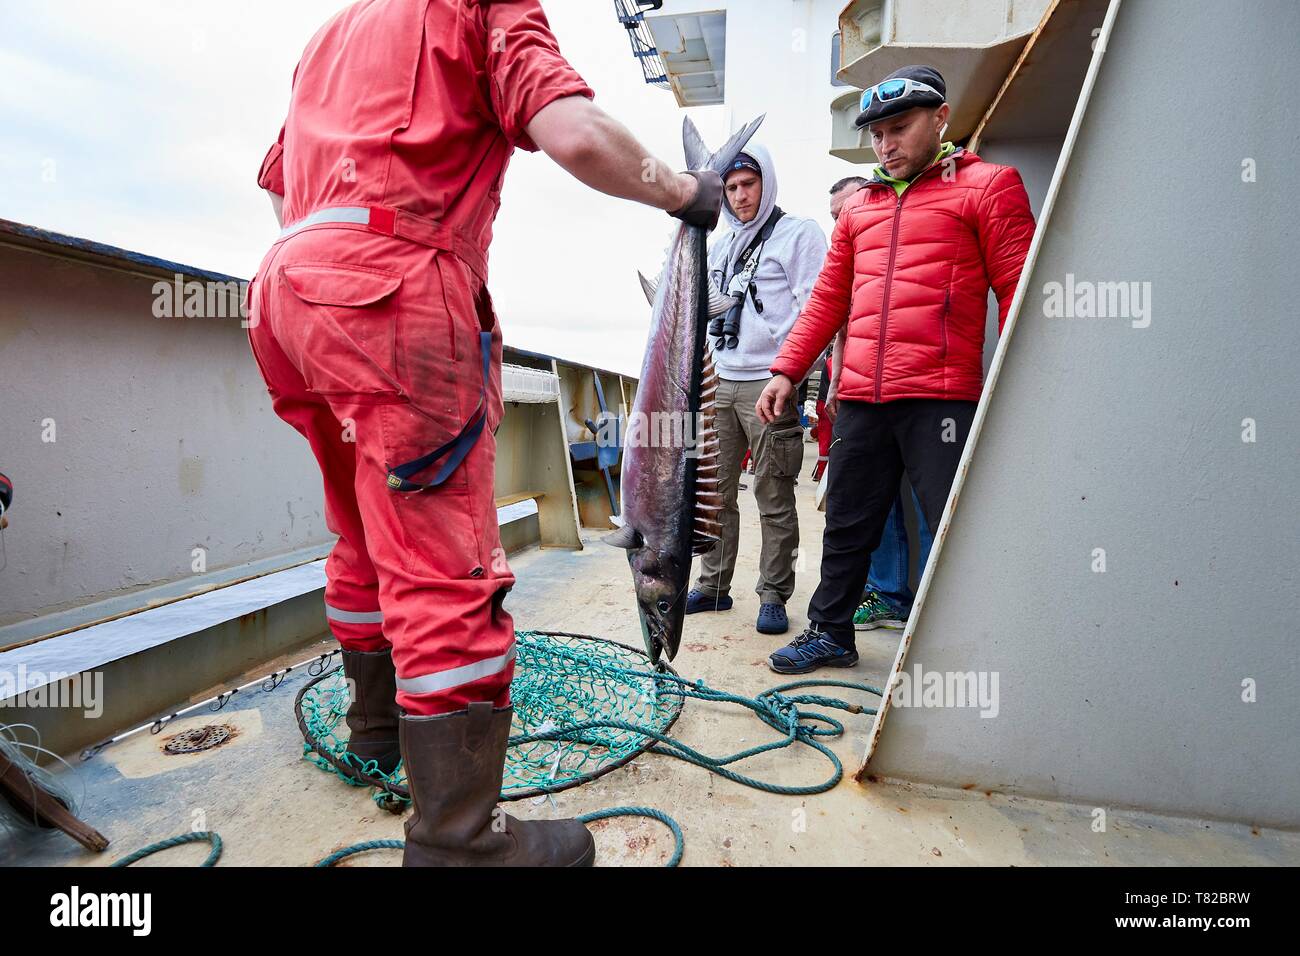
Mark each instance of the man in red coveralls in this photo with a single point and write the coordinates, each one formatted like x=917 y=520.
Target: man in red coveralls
x=373 y=328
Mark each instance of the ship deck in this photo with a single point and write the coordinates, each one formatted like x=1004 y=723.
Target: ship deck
x=273 y=808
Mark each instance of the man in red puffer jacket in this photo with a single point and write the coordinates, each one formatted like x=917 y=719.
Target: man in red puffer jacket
x=911 y=261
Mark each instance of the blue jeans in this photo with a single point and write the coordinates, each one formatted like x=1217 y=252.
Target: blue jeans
x=891 y=561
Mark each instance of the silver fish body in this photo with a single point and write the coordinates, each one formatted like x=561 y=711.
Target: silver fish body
x=671 y=506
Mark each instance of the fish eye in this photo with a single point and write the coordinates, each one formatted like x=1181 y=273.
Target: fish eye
x=664 y=607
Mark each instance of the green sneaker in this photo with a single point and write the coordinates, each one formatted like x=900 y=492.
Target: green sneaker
x=876 y=611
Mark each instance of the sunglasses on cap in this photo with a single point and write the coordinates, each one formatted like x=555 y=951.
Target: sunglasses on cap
x=889 y=90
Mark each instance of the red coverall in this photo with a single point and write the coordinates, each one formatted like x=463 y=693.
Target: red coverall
x=403 y=117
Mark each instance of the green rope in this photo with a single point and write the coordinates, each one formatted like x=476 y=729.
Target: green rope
x=772 y=706
x=679 y=842
x=356 y=848
x=208 y=836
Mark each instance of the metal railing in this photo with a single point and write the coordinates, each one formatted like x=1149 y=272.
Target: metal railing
x=631 y=13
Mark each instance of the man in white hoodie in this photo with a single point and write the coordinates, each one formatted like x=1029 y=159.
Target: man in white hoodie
x=768 y=262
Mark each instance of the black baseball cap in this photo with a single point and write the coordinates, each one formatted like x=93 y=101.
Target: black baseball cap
x=879 y=109
x=743 y=161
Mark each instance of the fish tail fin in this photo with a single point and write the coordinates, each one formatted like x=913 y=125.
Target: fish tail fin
x=698 y=155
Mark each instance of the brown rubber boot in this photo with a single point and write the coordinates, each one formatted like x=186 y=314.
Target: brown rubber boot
x=372 y=714
x=453 y=768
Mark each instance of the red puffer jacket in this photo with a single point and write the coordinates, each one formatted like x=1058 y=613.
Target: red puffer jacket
x=911 y=274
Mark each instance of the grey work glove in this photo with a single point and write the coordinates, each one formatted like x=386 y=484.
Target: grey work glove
x=705 y=207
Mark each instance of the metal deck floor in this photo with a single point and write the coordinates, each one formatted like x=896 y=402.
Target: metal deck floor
x=272 y=808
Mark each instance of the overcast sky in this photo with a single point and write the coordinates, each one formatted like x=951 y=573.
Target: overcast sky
x=141 y=123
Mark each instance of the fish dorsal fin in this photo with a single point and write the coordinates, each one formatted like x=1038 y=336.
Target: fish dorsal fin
x=697 y=154
x=648 y=287
x=707 y=506
x=702 y=544
x=625 y=537
x=718 y=303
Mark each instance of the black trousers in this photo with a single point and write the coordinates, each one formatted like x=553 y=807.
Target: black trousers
x=875 y=445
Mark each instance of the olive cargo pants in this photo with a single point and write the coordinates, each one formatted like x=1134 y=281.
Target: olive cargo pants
x=778 y=456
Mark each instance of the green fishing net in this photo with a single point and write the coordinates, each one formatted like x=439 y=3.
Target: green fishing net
x=578 y=704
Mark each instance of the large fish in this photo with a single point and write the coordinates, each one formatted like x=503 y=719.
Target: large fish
x=671 y=504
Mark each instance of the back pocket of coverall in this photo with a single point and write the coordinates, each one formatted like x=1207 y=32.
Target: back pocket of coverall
x=339 y=323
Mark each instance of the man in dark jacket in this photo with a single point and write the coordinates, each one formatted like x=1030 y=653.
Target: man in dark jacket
x=911 y=261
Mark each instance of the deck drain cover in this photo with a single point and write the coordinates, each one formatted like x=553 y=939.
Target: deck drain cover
x=200 y=738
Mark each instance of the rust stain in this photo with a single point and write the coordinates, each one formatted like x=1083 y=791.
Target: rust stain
x=253 y=619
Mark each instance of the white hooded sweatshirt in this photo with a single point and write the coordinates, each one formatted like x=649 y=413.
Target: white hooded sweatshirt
x=787 y=270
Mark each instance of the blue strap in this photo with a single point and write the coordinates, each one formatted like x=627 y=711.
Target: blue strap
x=455 y=450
